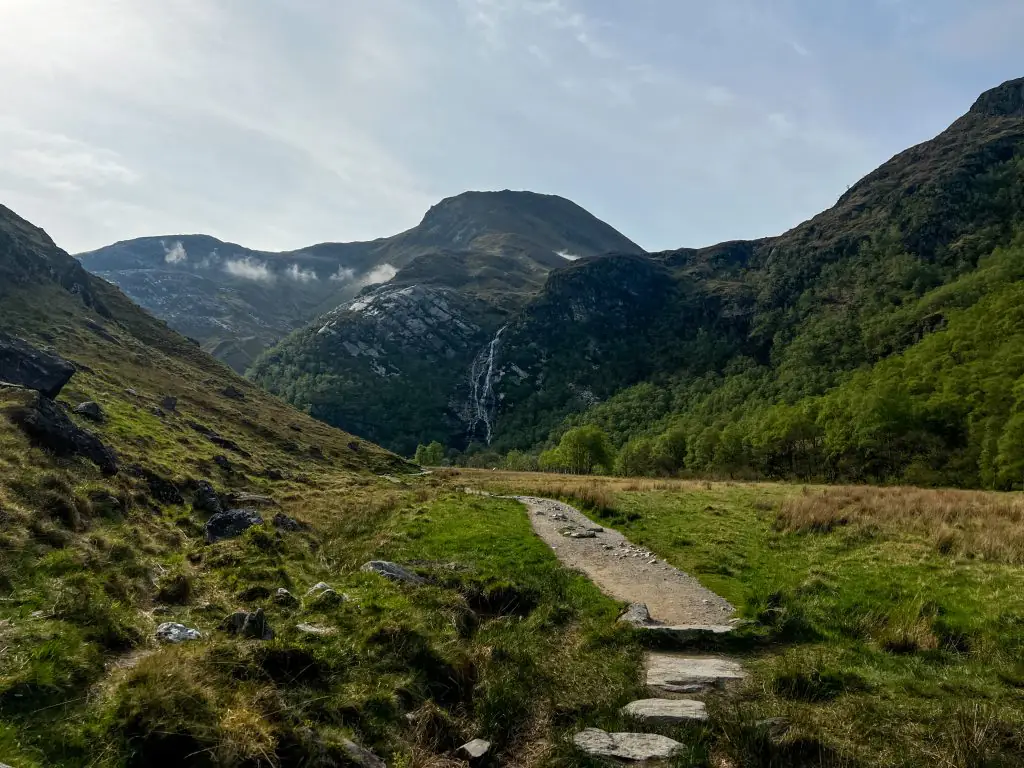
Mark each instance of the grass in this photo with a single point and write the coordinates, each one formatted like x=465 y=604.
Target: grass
x=883 y=643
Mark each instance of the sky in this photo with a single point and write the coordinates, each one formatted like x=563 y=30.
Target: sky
x=281 y=123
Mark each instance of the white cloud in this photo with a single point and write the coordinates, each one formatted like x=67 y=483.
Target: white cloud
x=300 y=275
x=568 y=256
x=176 y=254
x=249 y=268
x=379 y=274
x=344 y=274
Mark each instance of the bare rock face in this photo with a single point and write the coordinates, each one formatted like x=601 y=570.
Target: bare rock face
x=50 y=428
x=635 y=747
x=26 y=366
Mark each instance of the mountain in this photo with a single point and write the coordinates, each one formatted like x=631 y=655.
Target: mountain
x=853 y=346
x=237 y=302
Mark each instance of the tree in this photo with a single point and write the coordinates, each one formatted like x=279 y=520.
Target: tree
x=430 y=455
x=636 y=459
x=583 y=449
x=520 y=461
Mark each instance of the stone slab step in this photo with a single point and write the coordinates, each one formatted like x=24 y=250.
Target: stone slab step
x=667 y=711
x=672 y=673
x=633 y=747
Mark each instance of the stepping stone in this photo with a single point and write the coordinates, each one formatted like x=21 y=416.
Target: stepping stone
x=670 y=673
x=688 y=632
x=667 y=711
x=636 y=747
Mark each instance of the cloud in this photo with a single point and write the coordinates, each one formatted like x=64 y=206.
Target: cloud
x=249 y=268
x=300 y=275
x=379 y=274
x=568 y=256
x=344 y=274
x=176 y=254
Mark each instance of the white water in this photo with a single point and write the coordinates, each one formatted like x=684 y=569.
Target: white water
x=482 y=386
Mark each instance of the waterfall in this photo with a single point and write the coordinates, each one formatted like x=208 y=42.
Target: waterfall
x=481 y=381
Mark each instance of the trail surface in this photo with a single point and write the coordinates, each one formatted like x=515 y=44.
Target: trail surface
x=624 y=570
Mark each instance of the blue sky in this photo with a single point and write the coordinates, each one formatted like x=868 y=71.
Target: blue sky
x=280 y=123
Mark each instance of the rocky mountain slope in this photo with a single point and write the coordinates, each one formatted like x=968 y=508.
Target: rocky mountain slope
x=236 y=301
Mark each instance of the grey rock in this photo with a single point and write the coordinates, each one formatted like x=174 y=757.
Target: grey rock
x=322 y=594
x=474 y=750
x=32 y=368
x=92 y=411
x=671 y=673
x=169 y=403
x=206 y=499
x=580 y=534
x=666 y=711
x=50 y=428
x=391 y=571
x=285 y=598
x=285 y=523
x=636 y=614
x=312 y=629
x=172 y=632
x=131 y=392
x=687 y=633
x=635 y=747
x=234 y=522
x=362 y=757
x=249 y=625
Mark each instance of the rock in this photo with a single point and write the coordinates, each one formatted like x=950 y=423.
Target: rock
x=251 y=594
x=250 y=625
x=285 y=598
x=131 y=392
x=91 y=411
x=637 y=614
x=24 y=365
x=671 y=673
x=666 y=711
x=474 y=750
x=223 y=462
x=232 y=523
x=580 y=534
x=157 y=412
x=169 y=403
x=392 y=572
x=688 y=633
x=233 y=393
x=323 y=595
x=361 y=757
x=273 y=474
x=636 y=747
x=311 y=629
x=50 y=428
x=171 y=632
x=160 y=488
x=206 y=499
x=318 y=589
x=285 y=523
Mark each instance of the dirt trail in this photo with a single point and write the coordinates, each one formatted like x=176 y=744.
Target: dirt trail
x=623 y=570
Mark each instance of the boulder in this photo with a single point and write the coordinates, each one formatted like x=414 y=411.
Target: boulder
x=361 y=757
x=285 y=598
x=206 y=499
x=249 y=625
x=233 y=393
x=666 y=711
x=285 y=523
x=49 y=427
x=172 y=632
x=392 y=572
x=26 y=366
x=232 y=523
x=635 y=747
x=475 y=750
x=91 y=411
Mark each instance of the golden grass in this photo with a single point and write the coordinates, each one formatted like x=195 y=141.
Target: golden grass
x=972 y=524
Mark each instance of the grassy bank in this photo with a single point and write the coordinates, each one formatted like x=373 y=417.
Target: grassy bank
x=887 y=622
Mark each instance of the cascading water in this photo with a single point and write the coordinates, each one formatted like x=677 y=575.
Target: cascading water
x=482 y=399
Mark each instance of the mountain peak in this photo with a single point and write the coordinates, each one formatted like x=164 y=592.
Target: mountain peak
x=1006 y=100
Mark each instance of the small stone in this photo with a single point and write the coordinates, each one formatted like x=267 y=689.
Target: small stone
x=361 y=757
x=233 y=393
x=474 y=750
x=637 y=614
x=580 y=534
x=171 y=632
x=91 y=411
x=285 y=523
x=312 y=629
x=250 y=625
x=131 y=392
x=666 y=711
x=636 y=747
x=391 y=571
x=285 y=598
x=323 y=594
x=169 y=403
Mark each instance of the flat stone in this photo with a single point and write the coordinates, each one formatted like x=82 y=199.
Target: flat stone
x=391 y=571
x=171 y=632
x=362 y=757
x=474 y=750
x=689 y=631
x=667 y=711
x=580 y=534
x=635 y=747
x=671 y=673
x=312 y=629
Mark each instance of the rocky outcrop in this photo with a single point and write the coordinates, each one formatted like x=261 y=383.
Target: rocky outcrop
x=228 y=525
x=26 y=366
x=48 y=427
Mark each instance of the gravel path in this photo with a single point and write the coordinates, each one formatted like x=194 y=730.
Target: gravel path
x=622 y=569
